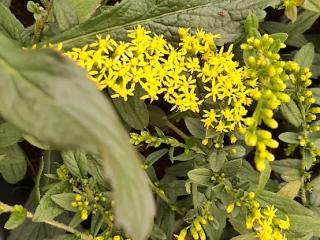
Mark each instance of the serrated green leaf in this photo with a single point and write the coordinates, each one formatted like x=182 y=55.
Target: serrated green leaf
x=54 y=101
x=9 y=25
x=304 y=57
x=200 y=175
x=17 y=217
x=47 y=208
x=133 y=111
x=13 y=164
x=76 y=162
x=291 y=113
x=9 y=135
x=165 y=17
x=64 y=200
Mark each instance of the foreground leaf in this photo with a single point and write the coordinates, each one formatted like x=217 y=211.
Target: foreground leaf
x=165 y=17
x=50 y=98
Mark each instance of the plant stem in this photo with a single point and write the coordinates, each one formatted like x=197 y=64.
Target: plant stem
x=39 y=25
x=8 y=208
x=177 y=130
x=38 y=178
x=162 y=195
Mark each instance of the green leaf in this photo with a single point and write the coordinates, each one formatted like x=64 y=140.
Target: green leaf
x=284 y=204
x=252 y=21
x=157 y=117
x=289 y=137
x=232 y=167
x=303 y=23
x=264 y=177
x=291 y=113
x=6 y=3
x=304 y=57
x=291 y=189
x=9 y=25
x=76 y=162
x=158 y=233
x=291 y=13
x=64 y=13
x=165 y=17
x=155 y=156
x=64 y=200
x=312 y=5
x=289 y=169
x=17 y=217
x=217 y=160
x=200 y=175
x=54 y=101
x=304 y=224
x=133 y=111
x=13 y=164
x=195 y=127
x=85 y=8
x=9 y=135
x=47 y=208
x=248 y=236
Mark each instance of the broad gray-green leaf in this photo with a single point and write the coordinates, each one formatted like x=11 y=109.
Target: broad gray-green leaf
x=289 y=137
x=51 y=98
x=312 y=5
x=264 y=177
x=85 y=8
x=165 y=17
x=76 y=162
x=64 y=200
x=291 y=113
x=291 y=189
x=289 y=169
x=133 y=111
x=9 y=134
x=47 y=208
x=64 y=13
x=9 y=25
x=200 y=175
x=13 y=164
x=304 y=57
x=195 y=127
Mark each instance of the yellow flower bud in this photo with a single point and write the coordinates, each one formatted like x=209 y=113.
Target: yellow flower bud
x=251 y=195
x=251 y=139
x=84 y=214
x=78 y=197
x=270 y=122
x=182 y=234
x=230 y=208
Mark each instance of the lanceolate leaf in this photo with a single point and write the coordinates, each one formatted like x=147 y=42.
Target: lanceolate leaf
x=50 y=98
x=218 y=16
x=9 y=25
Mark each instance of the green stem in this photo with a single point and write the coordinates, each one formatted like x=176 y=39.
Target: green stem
x=8 y=208
x=162 y=195
x=40 y=24
x=177 y=130
x=38 y=178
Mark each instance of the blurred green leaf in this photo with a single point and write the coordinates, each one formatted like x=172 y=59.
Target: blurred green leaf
x=291 y=189
x=9 y=134
x=65 y=14
x=312 y=5
x=51 y=98
x=85 y=8
x=289 y=137
x=13 y=164
x=165 y=17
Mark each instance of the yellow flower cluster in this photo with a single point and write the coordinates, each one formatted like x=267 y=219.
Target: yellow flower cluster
x=196 y=230
x=264 y=221
x=187 y=77
x=264 y=64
